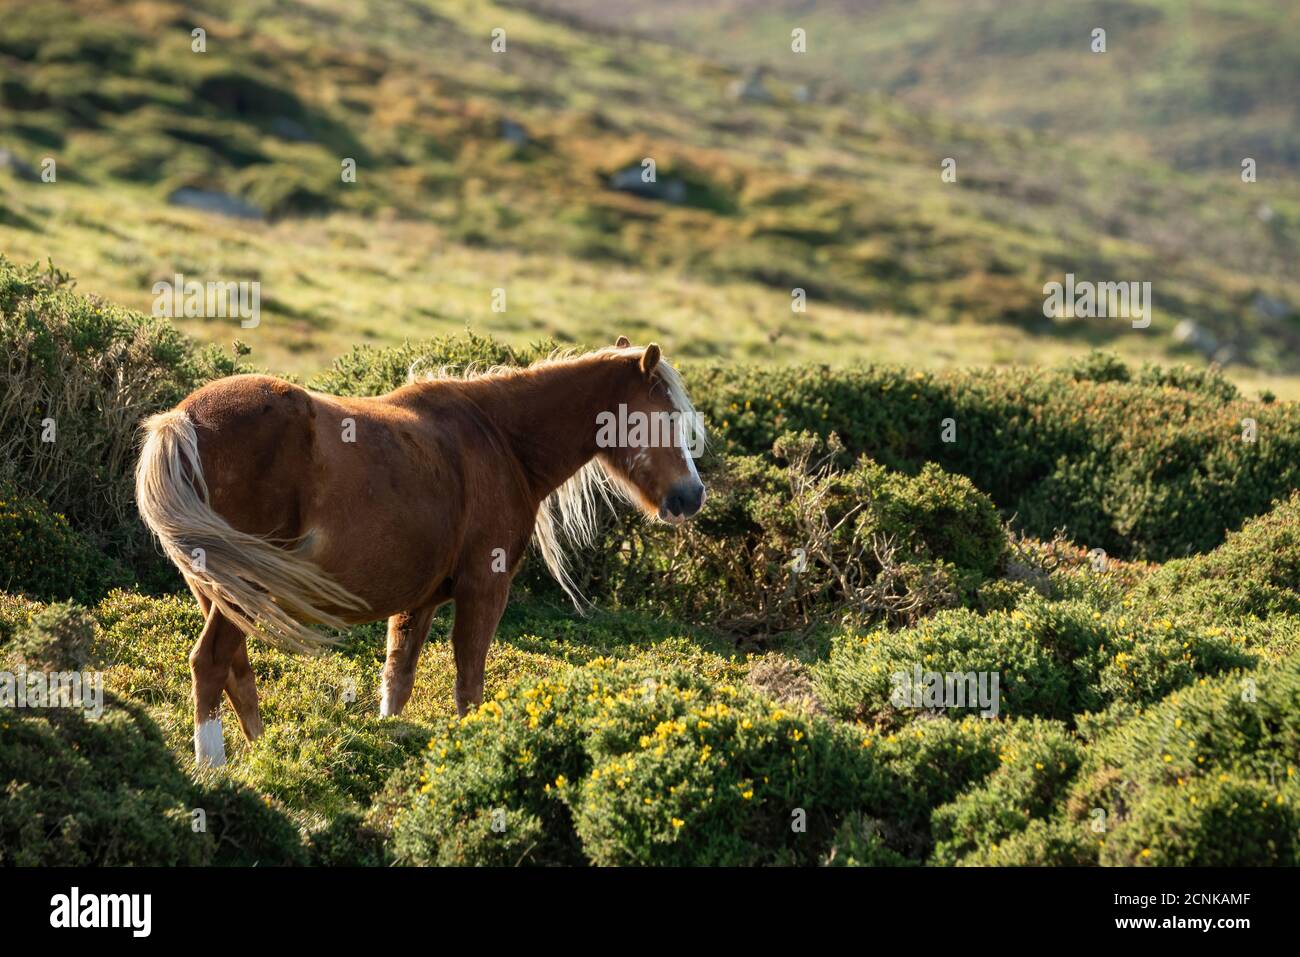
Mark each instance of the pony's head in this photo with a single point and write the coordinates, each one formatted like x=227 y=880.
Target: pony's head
x=646 y=433
x=648 y=440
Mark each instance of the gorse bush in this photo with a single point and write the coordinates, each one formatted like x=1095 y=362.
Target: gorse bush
x=624 y=763
x=1254 y=574
x=1209 y=822
x=1153 y=468
x=368 y=370
x=79 y=374
x=1207 y=776
x=108 y=791
x=616 y=762
x=1037 y=763
x=729 y=780
x=42 y=556
x=1052 y=659
x=58 y=637
x=15 y=612
x=783 y=545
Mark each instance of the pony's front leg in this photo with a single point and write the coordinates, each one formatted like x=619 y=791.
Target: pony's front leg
x=478 y=611
x=406 y=634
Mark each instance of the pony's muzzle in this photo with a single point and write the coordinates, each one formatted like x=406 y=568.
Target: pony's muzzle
x=684 y=499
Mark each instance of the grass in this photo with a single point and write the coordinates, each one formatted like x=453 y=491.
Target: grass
x=346 y=283
x=326 y=751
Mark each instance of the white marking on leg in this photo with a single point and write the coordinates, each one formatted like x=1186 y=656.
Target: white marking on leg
x=385 y=702
x=209 y=745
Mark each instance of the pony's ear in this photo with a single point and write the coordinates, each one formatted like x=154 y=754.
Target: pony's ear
x=650 y=359
x=622 y=342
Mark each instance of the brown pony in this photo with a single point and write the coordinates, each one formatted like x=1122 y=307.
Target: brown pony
x=284 y=507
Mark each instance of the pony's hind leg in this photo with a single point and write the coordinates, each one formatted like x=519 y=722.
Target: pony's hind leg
x=406 y=634
x=241 y=689
x=210 y=663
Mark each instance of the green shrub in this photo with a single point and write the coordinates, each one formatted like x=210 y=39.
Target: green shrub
x=503 y=765
x=1153 y=468
x=1207 y=776
x=41 y=556
x=860 y=843
x=1209 y=822
x=89 y=371
x=925 y=765
x=15 y=612
x=617 y=762
x=80 y=791
x=1044 y=842
x=1097 y=366
x=371 y=370
x=728 y=782
x=782 y=546
x=1051 y=659
x=348 y=840
x=1210 y=382
x=1255 y=573
x=1038 y=762
x=56 y=638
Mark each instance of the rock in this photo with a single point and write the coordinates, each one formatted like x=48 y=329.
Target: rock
x=752 y=87
x=1273 y=309
x=290 y=130
x=805 y=92
x=1190 y=333
x=211 y=201
x=513 y=132
x=1226 y=355
x=628 y=180
x=18 y=169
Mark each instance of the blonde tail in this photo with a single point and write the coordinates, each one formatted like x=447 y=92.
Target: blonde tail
x=261 y=587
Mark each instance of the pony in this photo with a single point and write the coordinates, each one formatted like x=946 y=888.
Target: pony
x=285 y=508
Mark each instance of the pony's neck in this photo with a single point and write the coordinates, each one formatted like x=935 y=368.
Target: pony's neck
x=548 y=416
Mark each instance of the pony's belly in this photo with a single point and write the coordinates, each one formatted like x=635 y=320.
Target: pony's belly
x=391 y=565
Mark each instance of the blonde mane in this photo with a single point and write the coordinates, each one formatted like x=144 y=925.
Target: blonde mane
x=570 y=516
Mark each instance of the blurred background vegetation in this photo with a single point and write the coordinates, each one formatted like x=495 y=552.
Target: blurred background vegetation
x=775 y=170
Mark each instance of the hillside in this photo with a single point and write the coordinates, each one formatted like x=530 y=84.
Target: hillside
x=1196 y=83
x=479 y=170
